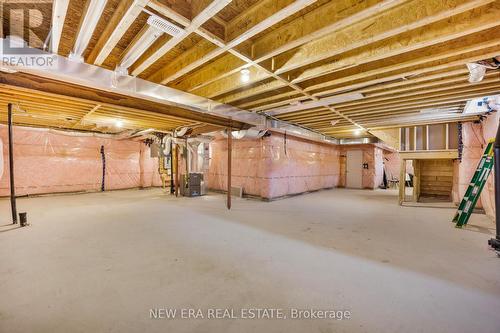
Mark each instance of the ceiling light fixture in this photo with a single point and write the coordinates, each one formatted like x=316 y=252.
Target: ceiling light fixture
x=119 y=123
x=357 y=132
x=245 y=75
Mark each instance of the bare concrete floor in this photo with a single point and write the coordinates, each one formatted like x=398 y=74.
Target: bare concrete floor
x=99 y=263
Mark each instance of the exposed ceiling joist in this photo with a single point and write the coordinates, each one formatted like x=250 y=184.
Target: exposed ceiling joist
x=207 y=13
x=173 y=71
x=123 y=17
x=59 y=10
x=88 y=23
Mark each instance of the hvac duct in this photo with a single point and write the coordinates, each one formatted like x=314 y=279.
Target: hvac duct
x=477 y=70
x=251 y=133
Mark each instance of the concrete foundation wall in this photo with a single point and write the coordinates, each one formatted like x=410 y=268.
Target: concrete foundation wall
x=48 y=161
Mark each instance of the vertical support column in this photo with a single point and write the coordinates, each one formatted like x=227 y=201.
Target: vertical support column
x=447 y=133
x=188 y=161
x=399 y=139
x=11 y=167
x=229 y=153
x=415 y=138
x=177 y=170
x=416 y=180
x=172 y=189
x=402 y=182
x=426 y=137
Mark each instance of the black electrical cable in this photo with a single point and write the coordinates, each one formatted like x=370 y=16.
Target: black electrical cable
x=103 y=157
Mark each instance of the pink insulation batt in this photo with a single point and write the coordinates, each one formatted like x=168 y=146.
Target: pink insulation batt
x=269 y=168
x=49 y=161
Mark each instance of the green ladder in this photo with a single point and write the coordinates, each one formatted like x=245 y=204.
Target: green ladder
x=475 y=187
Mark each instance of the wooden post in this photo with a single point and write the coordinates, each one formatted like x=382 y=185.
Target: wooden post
x=447 y=139
x=229 y=151
x=402 y=181
x=11 y=167
x=416 y=180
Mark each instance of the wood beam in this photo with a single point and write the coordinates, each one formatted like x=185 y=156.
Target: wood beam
x=105 y=98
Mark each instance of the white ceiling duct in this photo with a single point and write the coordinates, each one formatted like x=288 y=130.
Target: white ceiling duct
x=494 y=103
x=146 y=40
x=166 y=143
x=183 y=131
x=251 y=133
x=477 y=70
x=482 y=105
x=90 y=20
x=157 y=26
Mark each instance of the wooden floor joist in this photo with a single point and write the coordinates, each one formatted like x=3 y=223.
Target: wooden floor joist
x=402 y=56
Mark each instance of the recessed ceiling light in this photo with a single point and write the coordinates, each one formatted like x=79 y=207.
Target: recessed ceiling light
x=119 y=123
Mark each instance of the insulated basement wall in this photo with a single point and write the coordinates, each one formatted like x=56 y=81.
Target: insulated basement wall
x=475 y=137
x=373 y=157
x=49 y=161
x=272 y=167
x=392 y=163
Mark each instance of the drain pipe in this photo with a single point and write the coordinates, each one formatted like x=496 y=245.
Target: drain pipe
x=11 y=167
x=495 y=242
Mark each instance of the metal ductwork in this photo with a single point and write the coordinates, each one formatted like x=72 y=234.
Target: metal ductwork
x=477 y=70
x=251 y=133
